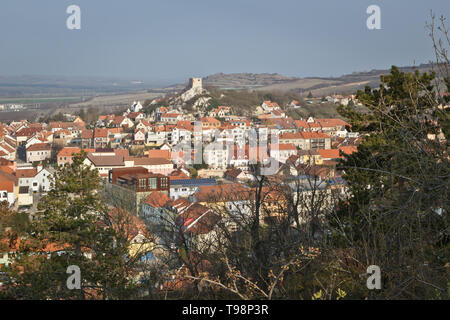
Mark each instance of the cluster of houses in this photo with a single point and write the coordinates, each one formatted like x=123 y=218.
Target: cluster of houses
x=146 y=160
x=228 y=142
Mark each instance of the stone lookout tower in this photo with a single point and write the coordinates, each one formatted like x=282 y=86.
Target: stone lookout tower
x=195 y=83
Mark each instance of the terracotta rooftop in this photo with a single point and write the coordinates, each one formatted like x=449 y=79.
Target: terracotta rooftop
x=39 y=147
x=157 y=199
x=68 y=151
x=100 y=161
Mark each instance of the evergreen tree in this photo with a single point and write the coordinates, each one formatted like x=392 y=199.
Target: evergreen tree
x=396 y=213
x=73 y=227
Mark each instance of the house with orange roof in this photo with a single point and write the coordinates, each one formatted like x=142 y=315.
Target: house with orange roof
x=47 y=136
x=233 y=198
x=15 y=126
x=332 y=126
x=269 y=106
x=8 y=152
x=348 y=149
x=79 y=122
x=210 y=123
x=329 y=154
x=294 y=104
x=35 y=139
x=7 y=191
x=63 y=137
x=220 y=112
x=182 y=131
x=179 y=174
x=86 y=138
x=281 y=125
x=139 y=136
x=66 y=154
x=104 y=163
x=101 y=138
x=291 y=137
x=171 y=117
x=159 y=112
x=38 y=152
x=162 y=154
x=128 y=187
x=9 y=186
x=302 y=125
x=282 y=151
x=37 y=179
x=71 y=126
x=154 y=165
x=310 y=157
x=153 y=208
x=144 y=125
x=103 y=120
x=278 y=113
x=157 y=136
x=25 y=134
x=121 y=121
x=9 y=164
x=314 y=140
x=197 y=224
x=136 y=116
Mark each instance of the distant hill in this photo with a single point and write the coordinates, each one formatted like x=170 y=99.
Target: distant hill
x=317 y=85
x=245 y=80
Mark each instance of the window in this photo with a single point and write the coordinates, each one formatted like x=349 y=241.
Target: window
x=141 y=183
x=163 y=183
x=152 y=183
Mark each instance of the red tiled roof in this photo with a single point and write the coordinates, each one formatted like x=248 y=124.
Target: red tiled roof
x=101 y=133
x=170 y=115
x=26 y=173
x=164 y=154
x=209 y=120
x=149 y=161
x=314 y=135
x=185 y=124
x=290 y=135
x=6 y=185
x=86 y=134
x=329 y=153
x=178 y=175
x=157 y=199
x=39 y=147
x=283 y=146
x=28 y=132
x=349 y=149
x=223 y=192
x=68 y=151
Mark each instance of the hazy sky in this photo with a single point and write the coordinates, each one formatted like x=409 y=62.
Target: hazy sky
x=176 y=39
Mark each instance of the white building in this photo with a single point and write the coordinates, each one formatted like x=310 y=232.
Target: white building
x=38 y=152
x=281 y=152
x=136 y=107
x=36 y=179
x=215 y=155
